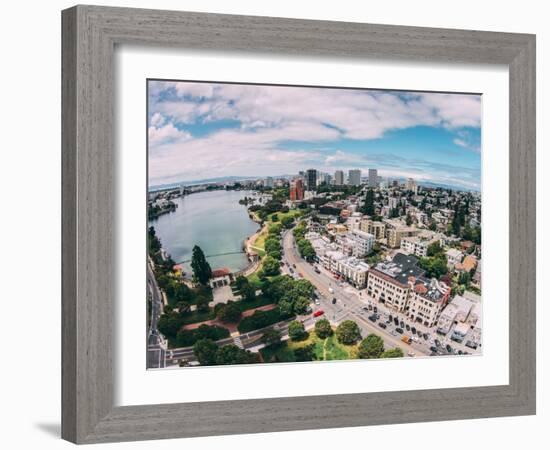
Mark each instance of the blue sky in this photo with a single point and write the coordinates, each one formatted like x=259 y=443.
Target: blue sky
x=206 y=130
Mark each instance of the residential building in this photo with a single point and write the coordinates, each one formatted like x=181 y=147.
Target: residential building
x=388 y=282
x=402 y=286
x=356 y=243
x=339 y=178
x=311 y=179
x=418 y=245
x=269 y=182
x=454 y=257
x=353 y=270
x=374 y=227
x=373 y=178
x=394 y=235
x=411 y=185
x=467 y=265
x=428 y=298
x=296 y=189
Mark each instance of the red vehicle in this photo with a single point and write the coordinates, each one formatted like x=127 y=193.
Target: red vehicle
x=318 y=313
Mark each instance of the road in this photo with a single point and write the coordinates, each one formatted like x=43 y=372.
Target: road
x=348 y=305
x=156 y=345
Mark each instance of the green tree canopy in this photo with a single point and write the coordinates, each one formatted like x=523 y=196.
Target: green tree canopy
x=287 y=222
x=348 y=332
x=231 y=354
x=296 y=331
x=272 y=244
x=371 y=347
x=271 y=337
x=205 y=351
x=323 y=329
x=368 y=207
x=229 y=313
x=202 y=271
x=392 y=353
x=270 y=266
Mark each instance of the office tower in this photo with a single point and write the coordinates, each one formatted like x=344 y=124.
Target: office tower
x=311 y=179
x=339 y=178
x=373 y=178
x=296 y=190
x=354 y=177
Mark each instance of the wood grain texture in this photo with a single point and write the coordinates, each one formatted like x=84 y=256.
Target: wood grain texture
x=89 y=36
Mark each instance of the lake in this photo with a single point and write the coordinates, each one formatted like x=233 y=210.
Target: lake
x=213 y=220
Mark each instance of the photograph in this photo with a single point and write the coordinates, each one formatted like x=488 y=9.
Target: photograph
x=301 y=224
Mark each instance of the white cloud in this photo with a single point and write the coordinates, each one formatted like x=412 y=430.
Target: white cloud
x=166 y=134
x=157 y=120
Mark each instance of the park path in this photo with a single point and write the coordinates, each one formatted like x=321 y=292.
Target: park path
x=232 y=327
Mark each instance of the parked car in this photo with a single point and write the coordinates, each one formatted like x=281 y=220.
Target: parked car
x=317 y=302
x=425 y=336
x=375 y=309
x=399 y=330
x=395 y=321
x=318 y=313
x=372 y=318
x=449 y=348
x=294 y=265
x=433 y=349
x=413 y=330
x=317 y=270
x=406 y=340
x=331 y=290
x=437 y=343
x=408 y=327
x=382 y=325
x=334 y=301
x=402 y=324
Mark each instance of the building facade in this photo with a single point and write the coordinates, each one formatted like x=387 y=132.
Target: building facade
x=311 y=179
x=339 y=178
x=373 y=178
x=354 y=177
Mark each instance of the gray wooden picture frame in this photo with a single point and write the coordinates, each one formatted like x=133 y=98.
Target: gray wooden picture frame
x=90 y=34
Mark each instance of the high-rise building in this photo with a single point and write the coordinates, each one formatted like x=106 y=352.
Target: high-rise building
x=269 y=182
x=296 y=190
x=339 y=178
x=411 y=185
x=311 y=179
x=354 y=177
x=373 y=178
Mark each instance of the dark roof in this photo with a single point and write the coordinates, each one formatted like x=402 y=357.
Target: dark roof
x=401 y=268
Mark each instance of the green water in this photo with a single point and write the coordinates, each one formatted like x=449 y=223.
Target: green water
x=213 y=220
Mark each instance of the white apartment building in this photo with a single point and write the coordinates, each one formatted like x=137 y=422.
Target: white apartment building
x=358 y=243
x=454 y=257
x=377 y=229
x=353 y=270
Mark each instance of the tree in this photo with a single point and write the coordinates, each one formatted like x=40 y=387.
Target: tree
x=248 y=292
x=202 y=271
x=270 y=266
x=271 y=337
x=464 y=278
x=300 y=305
x=229 y=313
x=231 y=354
x=240 y=281
x=272 y=244
x=169 y=324
x=371 y=347
x=323 y=329
x=306 y=249
x=202 y=304
x=205 y=351
x=287 y=222
x=296 y=331
x=434 y=249
x=368 y=207
x=348 y=332
x=276 y=254
x=392 y=353
x=305 y=353
x=408 y=220
x=274 y=218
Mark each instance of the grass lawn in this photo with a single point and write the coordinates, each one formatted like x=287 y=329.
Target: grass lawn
x=256 y=303
x=328 y=349
x=198 y=316
x=280 y=215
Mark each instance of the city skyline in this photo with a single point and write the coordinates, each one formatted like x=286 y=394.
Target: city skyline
x=200 y=131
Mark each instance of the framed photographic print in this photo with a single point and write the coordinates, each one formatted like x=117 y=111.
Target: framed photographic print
x=308 y=210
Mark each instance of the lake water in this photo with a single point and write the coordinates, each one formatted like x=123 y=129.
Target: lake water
x=215 y=221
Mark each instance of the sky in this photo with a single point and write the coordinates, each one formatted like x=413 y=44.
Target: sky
x=200 y=131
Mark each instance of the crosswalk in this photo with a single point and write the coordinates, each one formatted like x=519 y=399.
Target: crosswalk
x=237 y=341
